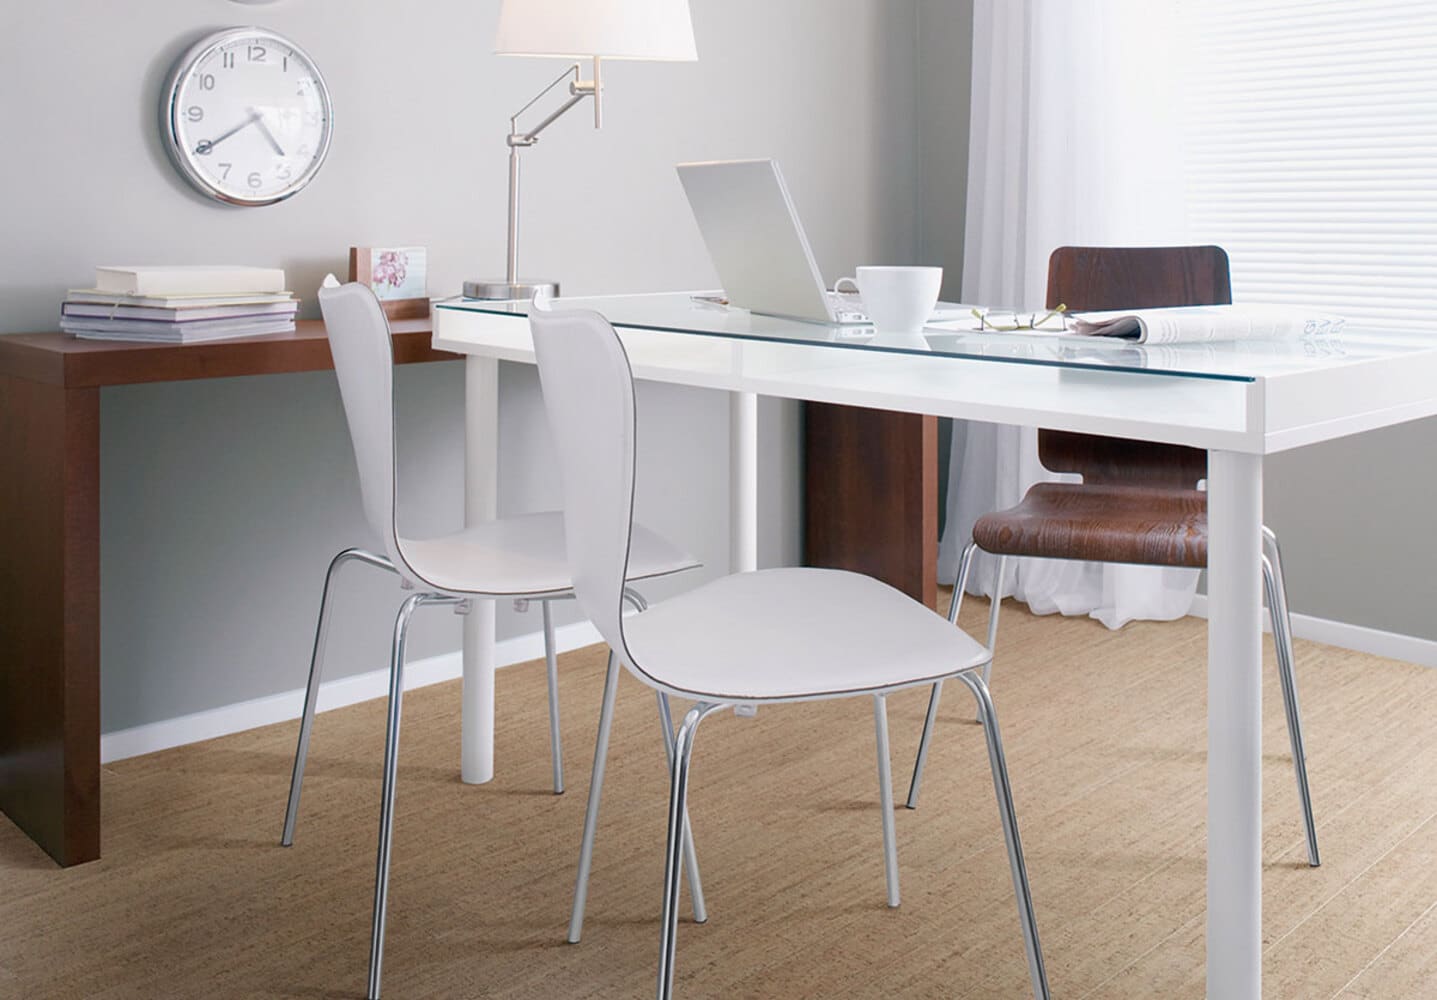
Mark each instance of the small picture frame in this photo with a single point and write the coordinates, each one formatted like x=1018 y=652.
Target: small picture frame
x=398 y=275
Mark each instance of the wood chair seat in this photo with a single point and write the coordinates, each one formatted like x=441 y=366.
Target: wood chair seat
x=1151 y=526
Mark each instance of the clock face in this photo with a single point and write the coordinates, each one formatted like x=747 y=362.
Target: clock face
x=247 y=117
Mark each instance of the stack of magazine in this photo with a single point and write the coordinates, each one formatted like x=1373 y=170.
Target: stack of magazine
x=180 y=305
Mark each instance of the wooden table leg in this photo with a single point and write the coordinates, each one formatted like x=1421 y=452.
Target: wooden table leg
x=50 y=615
x=871 y=495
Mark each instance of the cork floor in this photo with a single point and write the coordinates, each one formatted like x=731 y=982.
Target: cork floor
x=1105 y=741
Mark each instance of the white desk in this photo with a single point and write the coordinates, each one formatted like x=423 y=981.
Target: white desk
x=1240 y=402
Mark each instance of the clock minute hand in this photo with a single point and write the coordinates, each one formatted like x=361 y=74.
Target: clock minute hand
x=259 y=120
x=253 y=117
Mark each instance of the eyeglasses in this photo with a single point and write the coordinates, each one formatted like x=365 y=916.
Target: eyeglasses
x=1003 y=321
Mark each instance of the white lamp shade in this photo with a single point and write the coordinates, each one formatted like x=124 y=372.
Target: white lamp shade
x=614 y=29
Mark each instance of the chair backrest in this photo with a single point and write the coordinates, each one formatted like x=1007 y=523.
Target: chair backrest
x=363 y=353
x=1102 y=278
x=588 y=390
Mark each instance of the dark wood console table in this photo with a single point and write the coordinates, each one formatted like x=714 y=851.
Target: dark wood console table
x=50 y=550
x=871 y=495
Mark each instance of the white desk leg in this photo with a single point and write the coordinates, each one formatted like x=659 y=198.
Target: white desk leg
x=481 y=466
x=1234 y=728
x=743 y=482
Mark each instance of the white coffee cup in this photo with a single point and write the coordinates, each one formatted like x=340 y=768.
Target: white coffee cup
x=897 y=299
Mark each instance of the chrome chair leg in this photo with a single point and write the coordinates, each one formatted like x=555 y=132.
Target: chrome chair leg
x=636 y=599
x=551 y=664
x=1037 y=974
x=965 y=565
x=885 y=798
x=311 y=693
x=391 y=767
x=1282 y=639
x=915 y=782
x=691 y=861
x=683 y=747
x=591 y=815
x=596 y=784
x=995 y=605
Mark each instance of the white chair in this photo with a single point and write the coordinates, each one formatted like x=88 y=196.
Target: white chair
x=781 y=635
x=516 y=557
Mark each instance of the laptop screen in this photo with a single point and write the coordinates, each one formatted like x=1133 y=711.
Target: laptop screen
x=754 y=238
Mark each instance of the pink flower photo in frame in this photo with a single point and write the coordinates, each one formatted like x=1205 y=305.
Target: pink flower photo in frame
x=398 y=275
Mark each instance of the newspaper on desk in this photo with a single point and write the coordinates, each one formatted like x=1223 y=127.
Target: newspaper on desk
x=1204 y=324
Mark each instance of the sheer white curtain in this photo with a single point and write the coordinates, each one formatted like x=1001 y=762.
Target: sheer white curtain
x=1075 y=139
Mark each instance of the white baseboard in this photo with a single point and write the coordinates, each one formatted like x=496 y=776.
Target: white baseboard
x=1345 y=636
x=287 y=705
x=332 y=694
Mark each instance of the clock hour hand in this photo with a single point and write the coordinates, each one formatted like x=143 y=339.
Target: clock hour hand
x=259 y=120
x=253 y=117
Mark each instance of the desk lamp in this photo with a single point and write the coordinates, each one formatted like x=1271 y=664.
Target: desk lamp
x=576 y=29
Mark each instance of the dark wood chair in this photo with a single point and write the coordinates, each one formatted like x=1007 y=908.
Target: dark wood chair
x=1138 y=501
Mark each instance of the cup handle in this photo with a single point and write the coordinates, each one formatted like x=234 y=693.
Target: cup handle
x=837 y=285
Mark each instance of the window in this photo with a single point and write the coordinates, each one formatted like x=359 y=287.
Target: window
x=1311 y=151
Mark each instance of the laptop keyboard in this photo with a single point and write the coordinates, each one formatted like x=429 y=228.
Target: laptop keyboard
x=847 y=307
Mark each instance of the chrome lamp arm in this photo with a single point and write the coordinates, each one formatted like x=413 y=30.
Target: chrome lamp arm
x=518 y=139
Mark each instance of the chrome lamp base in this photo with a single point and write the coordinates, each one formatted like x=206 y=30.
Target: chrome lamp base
x=497 y=288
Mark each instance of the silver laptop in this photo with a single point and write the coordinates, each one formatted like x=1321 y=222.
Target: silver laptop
x=758 y=246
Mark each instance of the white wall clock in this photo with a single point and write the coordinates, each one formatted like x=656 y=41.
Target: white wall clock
x=247 y=117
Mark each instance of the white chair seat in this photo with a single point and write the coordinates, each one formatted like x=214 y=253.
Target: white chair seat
x=524 y=556
x=788 y=634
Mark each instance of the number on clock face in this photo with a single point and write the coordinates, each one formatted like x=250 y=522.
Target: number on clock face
x=249 y=117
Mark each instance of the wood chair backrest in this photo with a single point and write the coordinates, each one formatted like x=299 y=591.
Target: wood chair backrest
x=1102 y=278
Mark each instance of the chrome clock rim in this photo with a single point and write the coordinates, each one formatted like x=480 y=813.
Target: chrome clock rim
x=170 y=122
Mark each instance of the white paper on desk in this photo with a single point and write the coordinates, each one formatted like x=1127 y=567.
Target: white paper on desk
x=1204 y=324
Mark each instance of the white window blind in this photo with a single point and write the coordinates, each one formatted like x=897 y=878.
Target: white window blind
x=1311 y=151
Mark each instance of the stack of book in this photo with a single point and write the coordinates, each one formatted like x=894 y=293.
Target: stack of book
x=180 y=305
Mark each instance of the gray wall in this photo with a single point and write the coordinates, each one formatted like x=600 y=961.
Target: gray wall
x=1355 y=518
x=945 y=42
x=222 y=500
